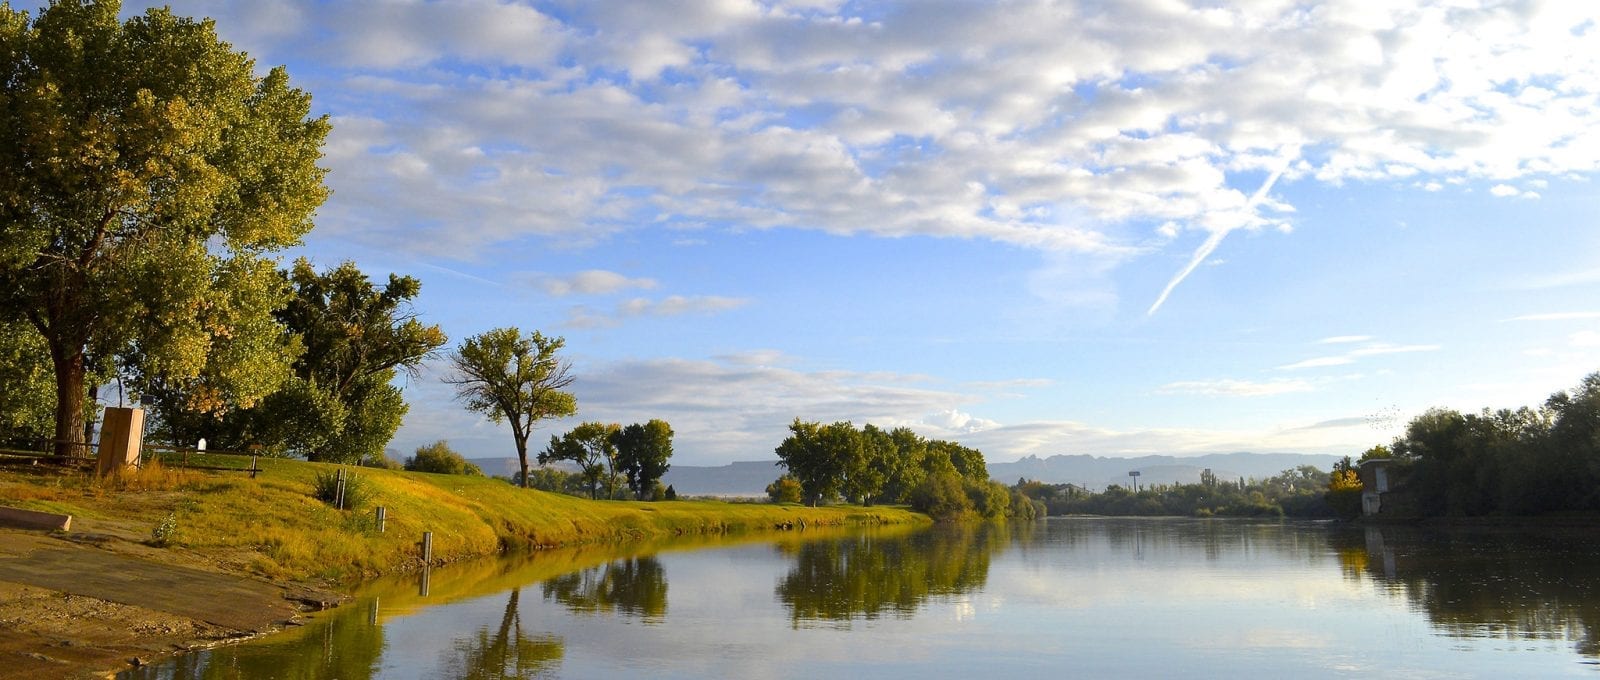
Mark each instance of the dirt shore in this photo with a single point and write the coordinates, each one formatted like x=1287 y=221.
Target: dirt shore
x=92 y=602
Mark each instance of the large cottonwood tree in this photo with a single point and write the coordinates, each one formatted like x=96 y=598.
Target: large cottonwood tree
x=139 y=158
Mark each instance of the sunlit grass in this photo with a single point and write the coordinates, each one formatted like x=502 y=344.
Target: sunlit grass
x=273 y=526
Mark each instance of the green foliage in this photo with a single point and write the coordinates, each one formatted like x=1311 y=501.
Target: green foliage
x=338 y=403
x=784 y=489
x=440 y=458
x=671 y=494
x=515 y=379
x=590 y=447
x=1521 y=462
x=554 y=481
x=138 y=160
x=1344 y=490
x=359 y=492
x=941 y=497
x=870 y=465
x=28 y=396
x=642 y=453
x=1298 y=492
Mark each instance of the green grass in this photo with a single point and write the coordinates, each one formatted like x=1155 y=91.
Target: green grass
x=272 y=526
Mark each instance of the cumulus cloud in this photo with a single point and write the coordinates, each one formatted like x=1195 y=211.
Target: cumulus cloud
x=1080 y=127
x=739 y=408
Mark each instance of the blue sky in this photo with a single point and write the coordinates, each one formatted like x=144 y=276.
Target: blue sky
x=1038 y=228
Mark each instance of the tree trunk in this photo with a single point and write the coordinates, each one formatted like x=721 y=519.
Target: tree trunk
x=69 y=438
x=522 y=458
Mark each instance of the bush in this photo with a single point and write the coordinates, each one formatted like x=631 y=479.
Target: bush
x=941 y=497
x=785 y=489
x=358 y=492
x=438 y=457
x=165 y=533
x=671 y=494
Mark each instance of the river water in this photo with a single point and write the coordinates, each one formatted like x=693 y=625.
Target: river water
x=1064 y=597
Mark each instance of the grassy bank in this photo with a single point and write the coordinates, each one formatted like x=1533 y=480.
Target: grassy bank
x=272 y=526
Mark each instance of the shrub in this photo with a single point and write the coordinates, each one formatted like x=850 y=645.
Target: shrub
x=440 y=458
x=165 y=533
x=785 y=489
x=671 y=494
x=358 y=492
x=941 y=497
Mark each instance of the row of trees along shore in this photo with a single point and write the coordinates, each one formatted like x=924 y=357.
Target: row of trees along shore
x=147 y=176
x=1523 y=462
x=1519 y=462
x=1299 y=492
x=867 y=465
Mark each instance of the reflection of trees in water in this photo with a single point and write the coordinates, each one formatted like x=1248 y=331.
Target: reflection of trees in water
x=636 y=586
x=1514 y=585
x=1184 y=539
x=867 y=575
x=345 y=645
x=506 y=653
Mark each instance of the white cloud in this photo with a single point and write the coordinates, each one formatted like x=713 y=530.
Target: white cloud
x=1344 y=339
x=1557 y=316
x=585 y=316
x=1235 y=388
x=1319 y=362
x=1367 y=348
x=675 y=305
x=591 y=282
x=466 y=124
x=955 y=422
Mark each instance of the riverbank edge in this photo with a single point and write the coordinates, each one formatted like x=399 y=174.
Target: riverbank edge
x=270 y=528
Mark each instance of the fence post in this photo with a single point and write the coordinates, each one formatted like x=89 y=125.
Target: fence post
x=427 y=547
x=253 y=468
x=338 y=489
x=383 y=516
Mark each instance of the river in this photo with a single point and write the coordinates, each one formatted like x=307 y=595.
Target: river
x=1073 y=597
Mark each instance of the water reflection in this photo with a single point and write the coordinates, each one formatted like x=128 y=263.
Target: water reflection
x=1527 y=585
x=1104 y=597
x=508 y=652
x=342 y=645
x=636 y=586
x=871 y=574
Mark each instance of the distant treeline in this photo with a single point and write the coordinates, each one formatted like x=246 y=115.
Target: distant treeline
x=1292 y=493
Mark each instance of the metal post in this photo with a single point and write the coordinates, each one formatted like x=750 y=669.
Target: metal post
x=338 y=489
x=383 y=516
x=427 y=547
x=253 y=468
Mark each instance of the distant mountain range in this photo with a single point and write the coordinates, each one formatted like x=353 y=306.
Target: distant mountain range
x=1097 y=473
x=750 y=478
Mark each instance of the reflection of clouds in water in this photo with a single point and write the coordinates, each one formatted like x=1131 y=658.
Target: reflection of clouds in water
x=962 y=610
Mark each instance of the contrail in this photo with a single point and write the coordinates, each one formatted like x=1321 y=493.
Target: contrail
x=1215 y=239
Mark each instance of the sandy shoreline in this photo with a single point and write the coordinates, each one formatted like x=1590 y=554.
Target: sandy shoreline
x=91 y=603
